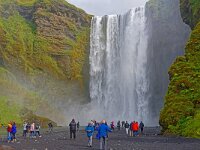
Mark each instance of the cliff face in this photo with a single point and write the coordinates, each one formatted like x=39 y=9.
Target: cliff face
x=44 y=50
x=181 y=113
x=190 y=10
x=167 y=37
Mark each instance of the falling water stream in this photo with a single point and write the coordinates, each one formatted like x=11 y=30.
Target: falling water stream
x=118 y=66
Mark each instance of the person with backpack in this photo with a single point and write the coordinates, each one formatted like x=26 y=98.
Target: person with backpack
x=102 y=134
x=141 y=126
x=90 y=130
x=126 y=125
x=9 y=130
x=72 y=127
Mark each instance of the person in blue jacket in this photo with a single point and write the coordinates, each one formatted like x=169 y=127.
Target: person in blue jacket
x=90 y=130
x=103 y=134
x=13 y=132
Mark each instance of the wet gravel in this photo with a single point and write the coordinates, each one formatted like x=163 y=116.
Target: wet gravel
x=118 y=140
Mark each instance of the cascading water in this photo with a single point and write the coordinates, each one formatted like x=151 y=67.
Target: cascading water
x=118 y=66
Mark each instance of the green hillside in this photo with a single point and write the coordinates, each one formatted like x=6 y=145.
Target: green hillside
x=43 y=51
x=181 y=113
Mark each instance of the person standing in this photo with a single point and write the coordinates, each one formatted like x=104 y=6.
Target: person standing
x=25 y=128
x=32 y=130
x=112 y=125
x=13 y=132
x=37 y=130
x=72 y=127
x=131 y=128
x=78 y=125
x=123 y=124
x=126 y=125
x=50 y=125
x=90 y=130
x=141 y=127
x=118 y=125
x=103 y=135
x=9 y=130
x=135 y=128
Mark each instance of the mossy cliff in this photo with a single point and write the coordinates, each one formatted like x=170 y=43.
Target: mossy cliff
x=181 y=113
x=43 y=55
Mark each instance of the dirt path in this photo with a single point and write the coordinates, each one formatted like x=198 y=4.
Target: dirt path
x=118 y=140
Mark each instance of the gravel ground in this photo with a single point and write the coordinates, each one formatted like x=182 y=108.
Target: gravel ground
x=59 y=140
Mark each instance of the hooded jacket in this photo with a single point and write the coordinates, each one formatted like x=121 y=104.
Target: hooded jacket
x=72 y=125
x=14 y=129
x=90 y=130
x=103 y=131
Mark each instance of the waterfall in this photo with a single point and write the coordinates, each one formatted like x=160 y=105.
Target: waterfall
x=119 y=85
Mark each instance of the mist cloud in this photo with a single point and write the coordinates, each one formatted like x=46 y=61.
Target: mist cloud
x=107 y=7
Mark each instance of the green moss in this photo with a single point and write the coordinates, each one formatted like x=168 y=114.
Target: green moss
x=190 y=10
x=180 y=114
x=26 y=3
x=32 y=52
x=9 y=111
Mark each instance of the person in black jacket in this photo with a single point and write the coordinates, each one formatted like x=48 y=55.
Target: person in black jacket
x=72 y=127
x=141 y=127
x=126 y=127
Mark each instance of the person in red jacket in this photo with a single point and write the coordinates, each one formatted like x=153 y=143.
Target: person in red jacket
x=135 y=128
x=9 y=130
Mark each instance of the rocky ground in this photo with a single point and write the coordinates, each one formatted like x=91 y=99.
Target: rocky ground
x=59 y=140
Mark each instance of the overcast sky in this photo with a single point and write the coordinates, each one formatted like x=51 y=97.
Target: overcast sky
x=107 y=7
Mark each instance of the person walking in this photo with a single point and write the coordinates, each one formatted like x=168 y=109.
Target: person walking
x=141 y=126
x=103 y=134
x=90 y=130
x=9 y=130
x=72 y=126
x=126 y=125
x=25 y=128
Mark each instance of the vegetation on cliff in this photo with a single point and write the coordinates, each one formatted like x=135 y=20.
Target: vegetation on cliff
x=42 y=42
x=190 y=10
x=181 y=113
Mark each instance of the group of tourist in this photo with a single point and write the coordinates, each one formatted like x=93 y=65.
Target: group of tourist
x=102 y=129
x=132 y=129
x=33 y=129
x=12 y=130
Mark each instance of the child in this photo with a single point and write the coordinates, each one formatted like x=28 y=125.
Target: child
x=90 y=130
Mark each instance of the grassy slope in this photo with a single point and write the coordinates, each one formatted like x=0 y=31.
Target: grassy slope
x=181 y=113
x=23 y=48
